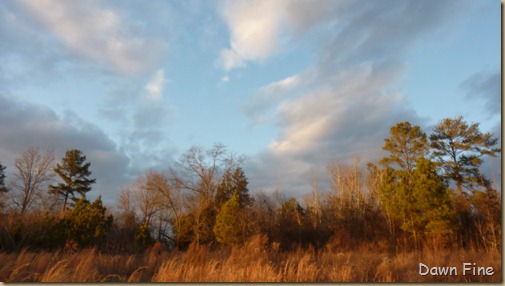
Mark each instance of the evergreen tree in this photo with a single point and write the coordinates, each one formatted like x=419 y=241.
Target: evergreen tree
x=231 y=183
x=433 y=210
x=459 y=148
x=420 y=203
x=405 y=145
x=414 y=195
x=229 y=227
x=87 y=223
x=75 y=175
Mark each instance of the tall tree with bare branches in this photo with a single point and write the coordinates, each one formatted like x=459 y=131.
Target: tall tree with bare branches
x=33 y=173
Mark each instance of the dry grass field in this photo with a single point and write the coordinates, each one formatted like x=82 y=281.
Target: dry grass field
x=255 y=262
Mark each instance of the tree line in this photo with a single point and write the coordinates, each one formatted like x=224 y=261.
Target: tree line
x=427 y=192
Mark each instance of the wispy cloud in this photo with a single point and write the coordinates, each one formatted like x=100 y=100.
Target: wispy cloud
x=282 y=86
x=155 y=86
x=92 y=30
x=260 y=106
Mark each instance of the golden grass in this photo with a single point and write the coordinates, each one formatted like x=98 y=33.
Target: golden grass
x=255 y=262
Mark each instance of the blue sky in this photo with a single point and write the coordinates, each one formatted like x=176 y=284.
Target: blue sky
x=293 y=85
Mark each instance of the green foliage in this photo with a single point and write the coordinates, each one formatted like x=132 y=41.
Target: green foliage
x=196 y=225
x=75 y=175
x=229 y=227
x=432 y=200
x=87 y=224
x=232 y=197
x=421 y=202
x=406 y=144
x=231 y=183
x=459 y=148
x=414 y=196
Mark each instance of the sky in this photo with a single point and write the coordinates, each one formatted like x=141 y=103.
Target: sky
x=292 y=85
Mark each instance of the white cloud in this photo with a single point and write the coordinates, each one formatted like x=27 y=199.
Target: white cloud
x=282 y=86
x=259 y=107
x=225 y=78
x=262 y=28
x=93 y=31
x=300 y=137
x=334 y=115
x=156 y=85
x=255 y=27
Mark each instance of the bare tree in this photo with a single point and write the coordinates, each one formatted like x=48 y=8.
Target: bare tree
x=154 y=201
x=347 y=184
x=172 y=205
x=200 y=170
x=312 y=201
x=138 y=198
x=34 y=173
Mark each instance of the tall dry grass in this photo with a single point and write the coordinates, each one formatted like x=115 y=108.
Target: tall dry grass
x=257 y=261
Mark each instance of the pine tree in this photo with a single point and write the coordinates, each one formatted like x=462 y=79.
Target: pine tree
x=413 y=195
x=420 y=203
x=432 y=206
x=231 y=183
x=405 y=145
x=459 y=148
x=75 y=175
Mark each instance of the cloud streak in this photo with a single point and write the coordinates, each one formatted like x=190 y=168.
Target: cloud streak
x=93 y=31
